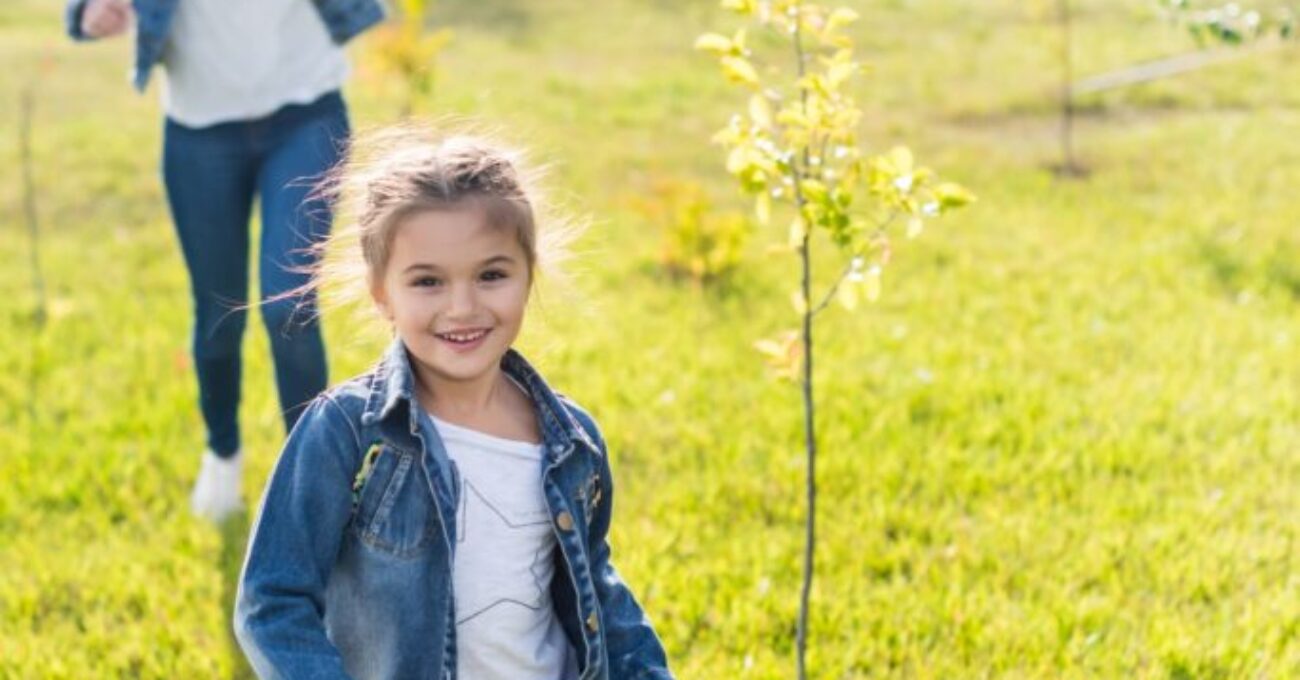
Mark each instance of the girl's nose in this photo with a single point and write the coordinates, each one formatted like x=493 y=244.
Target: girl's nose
x=463 y=301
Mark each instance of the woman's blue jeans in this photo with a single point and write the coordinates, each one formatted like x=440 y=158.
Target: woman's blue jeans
x=212 y=175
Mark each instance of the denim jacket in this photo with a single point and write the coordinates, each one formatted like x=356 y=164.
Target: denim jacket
x=349 y=572
x=343 y=18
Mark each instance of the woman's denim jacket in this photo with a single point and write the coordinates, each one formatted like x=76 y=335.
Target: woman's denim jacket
x=349 y=573
x=343 y=18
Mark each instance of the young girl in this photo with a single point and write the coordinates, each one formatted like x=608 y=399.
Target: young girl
x=445 y=514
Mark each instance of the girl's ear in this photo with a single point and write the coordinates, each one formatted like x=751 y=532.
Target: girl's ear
x=380 y=298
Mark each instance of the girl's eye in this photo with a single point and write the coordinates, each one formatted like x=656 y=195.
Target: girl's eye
x=426 y=281
x=493 y=275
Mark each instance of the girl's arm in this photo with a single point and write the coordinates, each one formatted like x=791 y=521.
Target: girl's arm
x=635 y=651
x=279 y=610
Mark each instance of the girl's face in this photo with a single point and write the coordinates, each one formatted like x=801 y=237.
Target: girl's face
x=455 y=290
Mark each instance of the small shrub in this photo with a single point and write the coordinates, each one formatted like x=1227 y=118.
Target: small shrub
x=406 y=49
x=699 y=243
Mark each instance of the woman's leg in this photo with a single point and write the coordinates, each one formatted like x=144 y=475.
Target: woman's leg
x=308 y=141
x=209 y=177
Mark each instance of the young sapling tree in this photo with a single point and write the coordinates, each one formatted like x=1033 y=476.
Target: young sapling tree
x=796 y=150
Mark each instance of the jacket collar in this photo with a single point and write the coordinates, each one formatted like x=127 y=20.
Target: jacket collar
x=392 y=396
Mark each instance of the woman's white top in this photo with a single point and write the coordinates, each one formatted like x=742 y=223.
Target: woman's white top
x=229 y=60
x=506 y=628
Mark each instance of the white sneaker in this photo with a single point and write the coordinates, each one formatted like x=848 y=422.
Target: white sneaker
x=216 y=491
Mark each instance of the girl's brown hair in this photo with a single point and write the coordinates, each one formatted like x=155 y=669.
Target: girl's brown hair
x=397 y=171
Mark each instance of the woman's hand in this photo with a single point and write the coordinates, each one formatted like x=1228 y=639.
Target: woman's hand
x=106 y=18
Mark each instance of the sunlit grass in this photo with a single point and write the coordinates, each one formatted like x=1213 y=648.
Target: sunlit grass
x=1063 y=444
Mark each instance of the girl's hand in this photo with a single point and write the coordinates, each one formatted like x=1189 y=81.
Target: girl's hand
x=106 y=18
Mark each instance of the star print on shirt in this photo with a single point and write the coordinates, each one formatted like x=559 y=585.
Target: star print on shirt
x=500 y=540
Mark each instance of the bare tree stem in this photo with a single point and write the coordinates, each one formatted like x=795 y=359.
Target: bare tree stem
x=1067 y=89
x=39 y=314
x=809 y=412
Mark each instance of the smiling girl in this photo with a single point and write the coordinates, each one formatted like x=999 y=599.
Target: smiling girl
x=445 y=514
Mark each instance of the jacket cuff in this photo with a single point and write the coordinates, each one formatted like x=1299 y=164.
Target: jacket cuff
x=72 y=20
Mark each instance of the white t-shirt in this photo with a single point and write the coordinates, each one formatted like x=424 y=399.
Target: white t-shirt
x=228 y=60
x=506 y=628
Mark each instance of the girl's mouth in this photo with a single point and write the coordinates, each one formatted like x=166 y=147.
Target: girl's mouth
x=464 y=341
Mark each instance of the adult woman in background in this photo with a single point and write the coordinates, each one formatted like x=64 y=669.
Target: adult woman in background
x=253 y=109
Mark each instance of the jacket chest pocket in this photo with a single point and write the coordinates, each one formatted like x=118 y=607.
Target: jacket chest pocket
x=394 y=512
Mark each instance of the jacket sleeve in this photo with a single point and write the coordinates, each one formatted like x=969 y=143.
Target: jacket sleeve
x=280 y=606
x=72 y=19
x=635 y=651
x=346 y=19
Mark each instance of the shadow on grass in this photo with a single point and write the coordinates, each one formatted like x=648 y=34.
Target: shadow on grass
x=1224 y=262
x=1235 y=269
x=1284 y=270
x=234 y=541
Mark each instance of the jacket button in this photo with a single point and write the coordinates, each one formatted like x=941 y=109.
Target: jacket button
x=565 y=521
x=591 y=622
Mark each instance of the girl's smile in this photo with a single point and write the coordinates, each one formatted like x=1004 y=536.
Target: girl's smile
x=464 y=341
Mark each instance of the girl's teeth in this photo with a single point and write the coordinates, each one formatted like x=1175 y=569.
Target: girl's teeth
x=454 y=337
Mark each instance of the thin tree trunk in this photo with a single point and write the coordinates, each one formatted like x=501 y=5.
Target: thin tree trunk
x=809 y=421
x=810 y=446
x=27 y=103
x=1068 y=166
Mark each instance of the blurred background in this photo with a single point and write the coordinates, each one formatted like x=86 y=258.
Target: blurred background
x=1065 y=442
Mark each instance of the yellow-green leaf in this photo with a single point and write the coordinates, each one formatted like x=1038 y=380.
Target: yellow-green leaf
x=951 y=195
x=793 y=115
x=813 y=190
x=738 y=40
x=760 y=111
x=900 y=160
x=743 y=7
x=914 y=226
x=872 y=283
x=738 y=159
x=847 y=295
x=842 y=16
x=713 y=42
x=798 y=232
x=798 y=302
x=770 y=348
x=838 y=73
x=740 y=70
x=783 y=354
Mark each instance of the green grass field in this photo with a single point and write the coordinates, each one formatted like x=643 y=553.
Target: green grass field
x=1064 y=444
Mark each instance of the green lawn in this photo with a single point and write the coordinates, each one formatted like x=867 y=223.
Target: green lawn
x=1065 y=442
